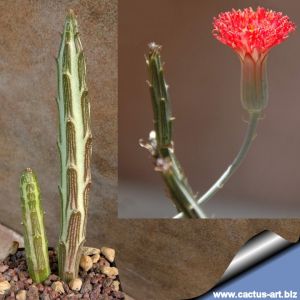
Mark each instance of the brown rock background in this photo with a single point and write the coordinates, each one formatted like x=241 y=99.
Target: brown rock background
x=158 y=259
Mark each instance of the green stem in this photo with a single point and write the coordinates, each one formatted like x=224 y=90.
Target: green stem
x=250 y=135
x=35 y=240
x=161 y=145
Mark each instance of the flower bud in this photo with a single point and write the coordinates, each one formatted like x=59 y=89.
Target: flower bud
x=254 y=84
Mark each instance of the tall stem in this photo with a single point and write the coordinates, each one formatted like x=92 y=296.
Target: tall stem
x=250 y=135
x=74 y=145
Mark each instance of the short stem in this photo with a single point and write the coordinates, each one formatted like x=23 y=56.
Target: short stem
x=250 y=135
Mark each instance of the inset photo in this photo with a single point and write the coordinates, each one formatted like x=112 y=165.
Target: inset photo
x=208 y=109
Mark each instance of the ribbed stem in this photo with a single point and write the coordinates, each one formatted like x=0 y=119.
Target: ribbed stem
x=161 y=143
x=249 y=137
x=35 y=240
x=74 y=145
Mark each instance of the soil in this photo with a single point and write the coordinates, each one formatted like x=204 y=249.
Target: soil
x=95 y=285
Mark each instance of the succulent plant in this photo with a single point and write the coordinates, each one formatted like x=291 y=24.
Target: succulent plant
x=74 y=147
x=36 y=245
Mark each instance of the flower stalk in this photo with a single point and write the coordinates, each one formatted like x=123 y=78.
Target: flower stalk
x=218 y=185
x=251 y=34
x=74 y=146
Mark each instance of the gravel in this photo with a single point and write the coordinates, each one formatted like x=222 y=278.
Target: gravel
x=96 y=285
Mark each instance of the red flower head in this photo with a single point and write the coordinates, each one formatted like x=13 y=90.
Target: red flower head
x=252 y=32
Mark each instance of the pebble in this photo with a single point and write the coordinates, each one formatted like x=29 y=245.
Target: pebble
x=20 y=285
x=95 y=294
x=6 y=277
x=15 y=278
x=109 y=271
x=3 y=268
x=4 y=287
x=33 y=293
x=54 y=295
x=53 y=277
x=103 y=262
x=90 y=251
x=86 y=287
x=116 y=285
x=66 y=287
x=21 y=295
x=107 y=282
x=92 y=274
x=75 y=284
x=95 y=258
x=40 y=287
x=13 y=248
x=109 y=253
x=22 y=275
x=47 y=282
x=45 y=297
x=57 y=286
x=95 y=280
x=13 y=287
x=86 y=263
